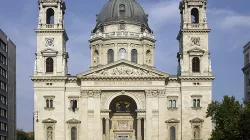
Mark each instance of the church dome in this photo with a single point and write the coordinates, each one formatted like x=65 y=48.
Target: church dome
x=122 y=10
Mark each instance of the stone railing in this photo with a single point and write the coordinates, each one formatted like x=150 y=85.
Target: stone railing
x=48 y=1
x=195 y=25
x=50 y=26
x=121 y=34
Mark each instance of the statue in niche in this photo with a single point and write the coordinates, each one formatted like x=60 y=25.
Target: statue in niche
x=148 y=57
x=49 y=133
x=96 y=57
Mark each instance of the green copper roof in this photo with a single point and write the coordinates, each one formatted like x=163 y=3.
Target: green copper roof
x=117 y=10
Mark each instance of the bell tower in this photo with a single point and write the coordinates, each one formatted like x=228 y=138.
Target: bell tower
x=51 y=55
x=193 y=56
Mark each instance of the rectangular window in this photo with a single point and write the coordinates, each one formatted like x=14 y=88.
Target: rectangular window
x=3 y=86
x=3 y=100
x=3 y=126
x=3 y=113
x=3 y=45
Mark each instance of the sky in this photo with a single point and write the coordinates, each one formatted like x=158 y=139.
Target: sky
x=228 y=19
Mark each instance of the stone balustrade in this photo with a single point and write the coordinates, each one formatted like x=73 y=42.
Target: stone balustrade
x=121 y=34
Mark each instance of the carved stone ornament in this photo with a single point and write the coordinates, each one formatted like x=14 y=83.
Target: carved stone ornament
x=155 y=93
x=49 y=42
x=91 y=93
x=195 y=41
x=123 y=70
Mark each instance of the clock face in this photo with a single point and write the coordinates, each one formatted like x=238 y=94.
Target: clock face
x=50 y=42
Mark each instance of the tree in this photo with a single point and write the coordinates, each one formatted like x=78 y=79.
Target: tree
x=21 y=135
x=226 y=116
x=245 y=121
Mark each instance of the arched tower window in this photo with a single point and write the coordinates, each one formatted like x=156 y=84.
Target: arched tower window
x=172 y=133
x=198 y=103
x=134 y=56
x=174 y=103
x=47 y=103
x=122 y=10
x=49 y=65
x=110 y=56
x=195 y=16
x=194 y=103
x=196 y=64
x=122 y=53
x=49 y=133
x=73 y=133
x=196 y=132
x=50 y=16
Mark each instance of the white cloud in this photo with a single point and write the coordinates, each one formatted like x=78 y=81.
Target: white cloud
x=228 y=19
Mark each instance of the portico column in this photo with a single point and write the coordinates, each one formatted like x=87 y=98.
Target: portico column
x=139 y=128
x=107 y=128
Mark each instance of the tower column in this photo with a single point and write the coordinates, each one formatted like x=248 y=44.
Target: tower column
x=139 y=128
x=107 y=128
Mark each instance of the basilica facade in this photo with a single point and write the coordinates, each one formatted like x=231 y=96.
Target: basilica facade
x=122 y=96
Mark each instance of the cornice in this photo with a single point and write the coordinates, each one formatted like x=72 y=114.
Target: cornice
x=49 y=78
x=195 y=30
x=122 y=37
x=124 y=78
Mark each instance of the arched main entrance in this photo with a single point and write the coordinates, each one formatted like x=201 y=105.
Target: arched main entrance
x=123 y=118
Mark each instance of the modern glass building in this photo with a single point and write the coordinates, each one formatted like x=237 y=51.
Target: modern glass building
x=7 y=88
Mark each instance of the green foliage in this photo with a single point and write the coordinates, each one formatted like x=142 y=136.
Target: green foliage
x=21 y=135
x=231 y=119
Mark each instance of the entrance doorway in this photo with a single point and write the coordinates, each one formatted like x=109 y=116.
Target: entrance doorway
x=123 y=118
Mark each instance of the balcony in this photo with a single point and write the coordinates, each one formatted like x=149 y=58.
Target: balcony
x=122 y=34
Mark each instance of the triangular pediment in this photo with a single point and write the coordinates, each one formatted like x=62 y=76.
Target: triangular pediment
x=196 y=49
x=49 y=50
x=49 y=120
x=173 y=120
x=197 y=120
x=73 y=121
x=123 y=68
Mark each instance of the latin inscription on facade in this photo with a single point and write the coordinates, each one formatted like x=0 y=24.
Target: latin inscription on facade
x=119 y=83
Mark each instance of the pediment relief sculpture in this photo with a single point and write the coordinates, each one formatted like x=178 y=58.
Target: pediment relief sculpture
x=73 y=121
x=49 y=120
x=123 y=70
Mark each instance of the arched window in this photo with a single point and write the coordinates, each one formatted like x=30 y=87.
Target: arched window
x=49 y=133
x=122 y=53
x=50 y=16
x=110 y=56
x=198 y=103
x=47 y=103
x=172 y=133
x=174 y=103
x=134 y=56
x=196 y=132
x=195 y=15
x=51 y=103
x=194 y=103
x=49 y=64
x=196 y=64
x=73 y=133
x=170 y=103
